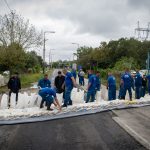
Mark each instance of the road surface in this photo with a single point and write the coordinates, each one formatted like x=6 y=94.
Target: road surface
x=90 y=132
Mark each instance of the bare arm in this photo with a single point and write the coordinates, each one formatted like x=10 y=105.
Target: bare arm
x=56 y=103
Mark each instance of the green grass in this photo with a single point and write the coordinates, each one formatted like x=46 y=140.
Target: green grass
x=28 y=79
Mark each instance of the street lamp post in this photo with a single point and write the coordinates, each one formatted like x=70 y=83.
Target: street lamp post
x=44 y=49
x=50 y=58
x=76 y=44
x=78 y=48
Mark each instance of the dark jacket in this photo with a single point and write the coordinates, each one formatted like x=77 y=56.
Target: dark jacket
x=14 y=84
x=59 y=82
x=144 y=82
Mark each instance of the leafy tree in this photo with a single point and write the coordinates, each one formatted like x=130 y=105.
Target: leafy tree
x=107 y=54
x=12 y=57
x=14 y=29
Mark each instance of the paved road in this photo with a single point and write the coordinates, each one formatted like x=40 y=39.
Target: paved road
x=135 y=121
x=90 y=132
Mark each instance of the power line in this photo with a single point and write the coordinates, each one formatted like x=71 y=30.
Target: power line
x=143 y=33
x=7 y=5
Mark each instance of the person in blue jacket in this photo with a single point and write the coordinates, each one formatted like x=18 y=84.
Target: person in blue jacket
x=91 y=86
x=111 y=86
x=138 y=85
x=127 y=82
x=45 y=82
x=121 y=90
x=98 y=81
x=69 y=84
x=148 y=79
x=81 y=77
x=49 y=95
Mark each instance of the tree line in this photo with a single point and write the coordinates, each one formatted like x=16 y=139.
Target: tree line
x=116 y=54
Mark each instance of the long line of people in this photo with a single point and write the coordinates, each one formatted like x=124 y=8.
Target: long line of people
x=66 y=80
x=135 y=82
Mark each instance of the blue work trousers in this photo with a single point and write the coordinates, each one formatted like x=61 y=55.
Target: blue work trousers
x=112 y=93
x=143 y=91
x=68 y=95
x=129 y=91
x=138 y=92
x=121 y=93
x=90 y=95
x=81 y=81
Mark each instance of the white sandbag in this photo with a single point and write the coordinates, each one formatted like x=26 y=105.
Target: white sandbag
x=39 y=99
x=13 y=100
x=25 y=99
x=4 y=101
x=77 y=95
x=98 y=96
x=20 y=103
x=60 y=98
x=33 y=100
x=80 y=96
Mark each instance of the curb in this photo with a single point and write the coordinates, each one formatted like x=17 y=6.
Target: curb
x=130 y=131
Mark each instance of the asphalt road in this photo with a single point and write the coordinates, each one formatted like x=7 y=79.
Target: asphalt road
x=90 y=132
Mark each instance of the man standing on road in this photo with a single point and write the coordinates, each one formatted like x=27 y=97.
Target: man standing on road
x=91 y=86
x=111 y=86
x=45 y=82
x=59 y=83
x=69 y=84
x=49 y=95
x=127 y=81
x=14 y=85
x=81 y=77
x=98 y=81
x=138 y=85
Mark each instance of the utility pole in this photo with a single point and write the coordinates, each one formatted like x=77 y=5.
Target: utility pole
x=75 y=54
x=44 y=49
x=143 y=34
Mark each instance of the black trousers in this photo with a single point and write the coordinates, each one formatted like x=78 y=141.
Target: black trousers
x=16 y=92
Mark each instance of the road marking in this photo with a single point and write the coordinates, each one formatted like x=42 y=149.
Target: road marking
x=134 y=134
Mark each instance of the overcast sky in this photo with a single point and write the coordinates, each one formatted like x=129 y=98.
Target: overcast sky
x=86 y=22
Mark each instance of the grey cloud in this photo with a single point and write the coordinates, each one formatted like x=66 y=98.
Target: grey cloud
x=107 y=18
x=103 y=17
x=143 y=4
